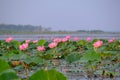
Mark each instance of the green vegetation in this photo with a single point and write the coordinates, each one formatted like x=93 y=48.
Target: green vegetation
x=98 y=58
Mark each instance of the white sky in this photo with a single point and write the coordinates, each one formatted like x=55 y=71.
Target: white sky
x=63 y=14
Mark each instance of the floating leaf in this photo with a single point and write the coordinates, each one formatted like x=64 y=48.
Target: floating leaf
x=48 y=75
x=6 y=73
x=91 y=56
x=8 y=76
x=34 y=60
x=73 y=57
x=41 y=42
x=3 y=66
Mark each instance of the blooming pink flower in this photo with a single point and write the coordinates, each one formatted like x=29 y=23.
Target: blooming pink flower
x=68 y=37
x=8 y=39
x=57 y=40
x=64 y=39
x=40 y=48
x=88 y=39
x=35 y=41
x=111 y=40
x=52 y=45
x=23 y=46
x=75 y=38
x=27 y=41
x=97 y=44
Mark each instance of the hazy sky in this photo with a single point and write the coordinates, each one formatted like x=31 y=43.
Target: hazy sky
x=63 y=14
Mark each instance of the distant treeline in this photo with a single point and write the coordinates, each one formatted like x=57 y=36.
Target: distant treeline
x=91 y=31
x=12 y=27
x=30 y=29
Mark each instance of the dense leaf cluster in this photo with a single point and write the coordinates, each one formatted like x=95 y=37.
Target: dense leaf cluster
x=101 y=62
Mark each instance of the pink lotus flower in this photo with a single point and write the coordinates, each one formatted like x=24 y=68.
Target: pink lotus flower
x=23 y=46
x=57 y=40
x=35 y=41
x=9 y=39
x=40 y=48
x=52 y=45
x=97 y=44
x=68 y=37
x=88 y=39
x=75 y=38
x=27 y=41
x=111 y=40
x=64 y=39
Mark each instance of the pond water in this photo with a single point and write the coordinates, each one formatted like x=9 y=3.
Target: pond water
x=48 y=36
